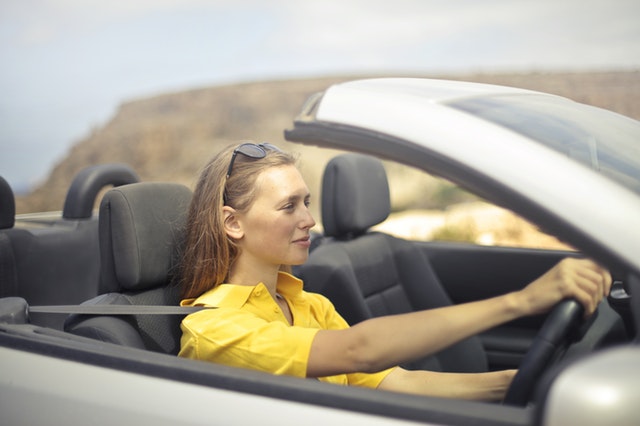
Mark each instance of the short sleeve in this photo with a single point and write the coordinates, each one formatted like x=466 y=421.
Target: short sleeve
x=242 y=339
x=334 y=321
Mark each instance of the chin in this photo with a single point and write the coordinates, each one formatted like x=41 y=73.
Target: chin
x=297 y=262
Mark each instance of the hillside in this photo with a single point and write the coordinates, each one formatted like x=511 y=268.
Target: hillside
x=169 y=137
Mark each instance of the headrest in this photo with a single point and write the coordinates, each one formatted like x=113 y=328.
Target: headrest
x=355 y=195
x=89 y=182
x=140 y=227
x=7 y=205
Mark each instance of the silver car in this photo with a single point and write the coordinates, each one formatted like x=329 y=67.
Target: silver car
x=570 y=169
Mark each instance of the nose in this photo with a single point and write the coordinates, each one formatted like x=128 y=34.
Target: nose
x=307 y=221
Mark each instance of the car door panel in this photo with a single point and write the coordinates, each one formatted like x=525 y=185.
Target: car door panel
x=470 y=272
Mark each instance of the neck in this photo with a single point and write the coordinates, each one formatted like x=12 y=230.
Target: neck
x=251 y=275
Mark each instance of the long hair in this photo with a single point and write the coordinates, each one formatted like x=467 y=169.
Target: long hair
x=207 y=252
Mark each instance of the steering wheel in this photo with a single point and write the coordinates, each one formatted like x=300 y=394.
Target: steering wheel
x=563 y=319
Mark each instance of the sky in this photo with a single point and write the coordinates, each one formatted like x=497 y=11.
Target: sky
x=66 y=65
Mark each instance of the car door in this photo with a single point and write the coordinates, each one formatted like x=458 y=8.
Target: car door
x=471 y=272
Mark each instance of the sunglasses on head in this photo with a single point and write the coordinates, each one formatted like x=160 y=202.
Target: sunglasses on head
x=251 y=150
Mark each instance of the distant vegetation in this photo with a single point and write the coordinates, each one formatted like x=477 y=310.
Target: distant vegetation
x=169 y=137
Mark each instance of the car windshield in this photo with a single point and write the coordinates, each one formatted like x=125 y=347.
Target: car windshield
x=601 y=140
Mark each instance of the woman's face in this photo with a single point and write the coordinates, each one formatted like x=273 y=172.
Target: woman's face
x=275 y=229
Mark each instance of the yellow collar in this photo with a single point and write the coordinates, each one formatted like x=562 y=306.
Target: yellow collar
x=235 y=295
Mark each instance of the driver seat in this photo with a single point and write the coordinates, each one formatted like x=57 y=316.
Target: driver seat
x=140 y=228
x=368 y=274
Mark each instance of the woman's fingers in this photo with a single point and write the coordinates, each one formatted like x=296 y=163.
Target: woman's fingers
x=581 y=279
x=585 y=281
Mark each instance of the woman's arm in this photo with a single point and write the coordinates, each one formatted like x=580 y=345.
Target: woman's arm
x=383 y=342
x=490 y=386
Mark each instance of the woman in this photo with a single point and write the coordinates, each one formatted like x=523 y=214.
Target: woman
x=249 y=222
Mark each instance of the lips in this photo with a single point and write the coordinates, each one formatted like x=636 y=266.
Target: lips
x=306 y=241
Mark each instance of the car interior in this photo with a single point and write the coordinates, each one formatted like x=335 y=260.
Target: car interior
x=126 y=255
x=139 y=236
x=367 y=273
x=54 y=259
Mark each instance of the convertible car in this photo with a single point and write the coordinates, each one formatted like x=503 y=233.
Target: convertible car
x=89 y=322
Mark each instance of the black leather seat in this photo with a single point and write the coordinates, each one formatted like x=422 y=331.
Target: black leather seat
x=7 y=205
x=56 y=261
x=140 y=228
x=8 y=273
x=368 y=274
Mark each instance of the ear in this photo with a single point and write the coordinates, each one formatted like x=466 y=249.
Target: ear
x=232 y=225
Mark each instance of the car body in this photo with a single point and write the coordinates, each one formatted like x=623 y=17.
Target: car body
x=571 y=169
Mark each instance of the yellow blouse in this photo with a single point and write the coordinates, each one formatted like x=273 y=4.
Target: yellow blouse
x=249 y=330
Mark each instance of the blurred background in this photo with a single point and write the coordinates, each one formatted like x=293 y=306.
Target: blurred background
x=68 y=64
x=163 y=84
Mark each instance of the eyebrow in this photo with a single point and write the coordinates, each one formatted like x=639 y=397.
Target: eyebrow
x=295 y=197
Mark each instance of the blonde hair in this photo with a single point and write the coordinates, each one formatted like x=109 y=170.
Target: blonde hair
x=208 y=253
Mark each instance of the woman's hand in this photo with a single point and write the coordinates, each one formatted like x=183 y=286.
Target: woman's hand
x=581 y=279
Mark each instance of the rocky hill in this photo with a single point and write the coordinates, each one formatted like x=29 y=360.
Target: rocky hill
x=169 y=137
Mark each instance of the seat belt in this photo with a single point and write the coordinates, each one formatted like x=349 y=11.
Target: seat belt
x=117 y=309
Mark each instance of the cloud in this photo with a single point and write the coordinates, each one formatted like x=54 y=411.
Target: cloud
x=428 y=34
x=364 y=31
x=46 y=21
